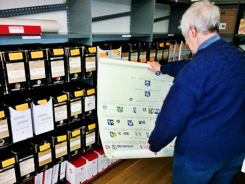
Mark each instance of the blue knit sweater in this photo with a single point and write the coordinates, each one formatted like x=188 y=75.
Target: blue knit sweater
x=205 y=107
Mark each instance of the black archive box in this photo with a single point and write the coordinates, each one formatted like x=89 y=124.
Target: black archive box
x=134 y=52
x=57 y=65
x=60 y=108
x=91 y=134
x=43 y=152
x=2 y=76
x=15 y=69
x=8 y=167
x=75 y=133
x=89 y=100
x=76 y=102
x=89 y=62
x=125 y=52
x=165 y=52
x=59 y=145
x=24 y=152
x=5 y=127
x=74 y=62
x=159 y=54
x=152 y=50
x=116 y=51
x=38 y=68
x=143 y=51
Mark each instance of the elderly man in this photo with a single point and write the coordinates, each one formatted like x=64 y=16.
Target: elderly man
x=205 y=107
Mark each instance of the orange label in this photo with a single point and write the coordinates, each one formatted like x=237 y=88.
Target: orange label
x=92 y=49
x=171 y=47
x=177 y=47
x=44 y=147
x=161 y=45
x=103 y=54
x=61 y=138
x=116 y=51
x=183 y=46
x=75 y=52
x=152 y=59
x=92 y=126
x=134 y=60
x=187 y=46
x=143 y=61
x=42 y=102
x=167 y=44
x=37 y=54
x=90 y=91
x=22 y=107
x=58 y=52
x=2 y=114
x=78 y=93
x=62 y=98
x=8 y=162
x=75 y=133
x=15 y=56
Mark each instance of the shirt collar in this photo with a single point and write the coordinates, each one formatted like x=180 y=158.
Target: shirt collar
x=208 y=42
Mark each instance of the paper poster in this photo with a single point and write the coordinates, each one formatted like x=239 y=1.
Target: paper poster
x=55 y=174
x=21 y=124
x=43 y=117
x=129 y=99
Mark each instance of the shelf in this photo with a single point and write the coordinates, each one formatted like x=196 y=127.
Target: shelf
x=240 y=35
x=170 y=2
x=228 y=2
x=123 y=35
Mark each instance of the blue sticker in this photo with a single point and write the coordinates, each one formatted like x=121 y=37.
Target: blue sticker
x=147 y=93
x=147 y=82
x=104 y=107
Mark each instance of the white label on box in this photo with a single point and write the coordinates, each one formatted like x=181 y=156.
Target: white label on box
x=48 y=176
x=31 y=37
x=76 y=107
x=63 y=170
x=75 y=62
x=91 y=168
x=57 y=69
x=152 y=54
x=8 y=176
x=27 y=166
x=75 y=143
x=57 y=151
x=39 y=178
x=60 y=113
x=126 y=35
x=45 y=157
x=90 y=65
x=55 y=173
x=125 y=58
x=134 y=57
x=90 y=138
x=21 y=124
x=80 y=174
x=37 y=71
x=89 y=103
x=16 y=29
x=222 y=26
x=4 y=128
x=16 y=74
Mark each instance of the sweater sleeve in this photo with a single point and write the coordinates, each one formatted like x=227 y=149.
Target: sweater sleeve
x=178 y=106
x=173 y=68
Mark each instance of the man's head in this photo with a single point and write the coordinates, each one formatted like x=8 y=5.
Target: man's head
x=200 y=22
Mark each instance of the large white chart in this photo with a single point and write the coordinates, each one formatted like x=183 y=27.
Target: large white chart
x=129 y=99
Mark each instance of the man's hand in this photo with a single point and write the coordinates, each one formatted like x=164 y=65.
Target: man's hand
x=148 y=148
x=155 y=66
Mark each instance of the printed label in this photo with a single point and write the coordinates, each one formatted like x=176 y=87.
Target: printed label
x=60 y=113
x=75 y=143
x=89 y=103
x=90 y=64
x=61 y=149
x=4 y=131
x=90 y=138
x=57 y=68
x=44 y=157
x=8 y=176
x=125 y=56
x=76 y=108
x=37 y=69
x=55 y=173
x=27 y=167
x=134 y=56
x=16 y=29
x=62 y=170
x=75 y=64
x=159 y=54
x=48 y=176
x=16 y=72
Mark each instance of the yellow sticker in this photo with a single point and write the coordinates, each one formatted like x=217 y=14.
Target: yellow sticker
x=15 y=56
x=44 y=147
x=161 y=45
x=134 y=60
x=183 y=46
x=62 y=98
x=116 y=51
x=143 y=60
x=92 y=126
x=22 y=107
x=75 y=52
x=92 y=49
x=37 y=54
x=177 y=47
x=167 y=44
x=61 y=138
x=75 y=133
x=152 y=59
x=171 y=47
x=78 y=93
x=42 y=102
x=103 y=54
x=90 y=91
x=2 y=114
x=58 y=52
x=8 y=162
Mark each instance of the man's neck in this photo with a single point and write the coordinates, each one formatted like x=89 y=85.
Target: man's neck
x=203 y=37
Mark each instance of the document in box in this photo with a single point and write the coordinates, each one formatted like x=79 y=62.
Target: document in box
x=21 y=124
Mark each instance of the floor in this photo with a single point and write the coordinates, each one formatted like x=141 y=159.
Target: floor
x=145 y=171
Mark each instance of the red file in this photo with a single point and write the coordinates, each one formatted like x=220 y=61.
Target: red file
x=20 y=30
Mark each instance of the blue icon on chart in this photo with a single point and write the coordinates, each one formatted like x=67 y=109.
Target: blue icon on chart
x=130 y=123
x=158 y=73
x=144 y=109
x=147 y=82
x=147 y=134
x=147 y=93
x=134 y=109
x=131 y=99
x=104 y=107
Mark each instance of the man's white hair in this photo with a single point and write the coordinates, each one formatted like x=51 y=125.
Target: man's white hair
x=203 y=15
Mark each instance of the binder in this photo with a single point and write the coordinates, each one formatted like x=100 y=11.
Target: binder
x=89 y=62
x=134 y=52
x=125 y=52
x=116 y=51
x=143 y=51
x=152 y=47
x=160 y=49
x=2 y=76
x=5 y=127
x=91 y=134
x=166 y=52
x=89 y=100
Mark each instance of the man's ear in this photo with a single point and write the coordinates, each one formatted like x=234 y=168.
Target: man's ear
x=193 y=31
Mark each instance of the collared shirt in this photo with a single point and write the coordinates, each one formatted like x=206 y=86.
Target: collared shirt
x=208 y=42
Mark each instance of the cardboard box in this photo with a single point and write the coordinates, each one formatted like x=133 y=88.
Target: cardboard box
x=241 y=29
x=227 y=21
x=102 y=160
